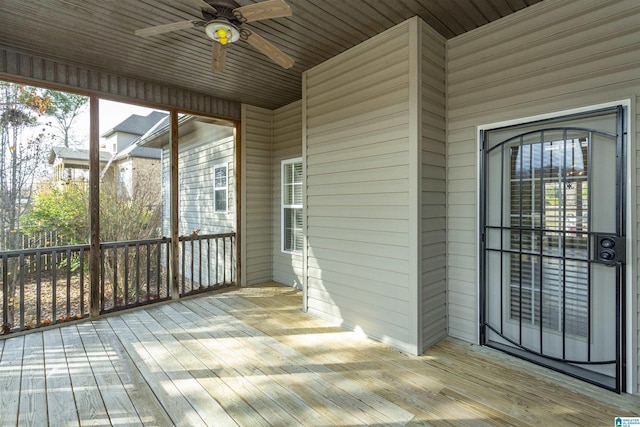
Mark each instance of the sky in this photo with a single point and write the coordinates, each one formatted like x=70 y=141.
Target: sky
x=111 y=113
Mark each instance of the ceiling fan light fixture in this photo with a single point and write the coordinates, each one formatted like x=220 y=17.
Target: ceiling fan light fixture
x=223 y=32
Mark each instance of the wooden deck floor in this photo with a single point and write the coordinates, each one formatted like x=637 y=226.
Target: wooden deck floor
x=250 y=357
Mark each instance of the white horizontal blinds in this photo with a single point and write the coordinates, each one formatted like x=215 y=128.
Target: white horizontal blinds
x=526 y=272
x=292 y=200
x=549 y=204
x=220 y=188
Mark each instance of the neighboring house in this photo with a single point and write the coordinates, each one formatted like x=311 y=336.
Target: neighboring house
x=72 y=164
x=206 y=174
x=438 y=177
x=206 y=181
x=137 y=166
x=126 y=132
x=128 y=163
x=134 y=166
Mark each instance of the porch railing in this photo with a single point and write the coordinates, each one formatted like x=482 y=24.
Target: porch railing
x=134 y=273
x=45 y=286
x=206 y=262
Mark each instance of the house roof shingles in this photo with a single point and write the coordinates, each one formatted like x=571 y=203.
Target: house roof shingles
x=79 y=154
x=136 y=124
x=134 y=150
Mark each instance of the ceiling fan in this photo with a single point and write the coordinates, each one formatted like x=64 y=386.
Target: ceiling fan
x=223 y=22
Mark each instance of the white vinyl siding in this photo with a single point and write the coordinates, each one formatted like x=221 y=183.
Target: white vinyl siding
x=433 y=212
x=200 y=148
x=256 y=224
x=553 y=56
x=220 y=188
x=357 y=163
x=292 y=203
x=287 y=144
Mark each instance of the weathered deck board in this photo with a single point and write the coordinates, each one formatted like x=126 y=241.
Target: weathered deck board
x=59 y=391
x=482 y=385
x=249 y=357
x=33 y=392
x=209 y=368
x=145 y=403
x=87 y=396
x=347 y=359
x=172 y=355
x=369 y=408
x=10 y=377
x=315 y=382
x=168 y=395
x=257 y=395
x=117 y=402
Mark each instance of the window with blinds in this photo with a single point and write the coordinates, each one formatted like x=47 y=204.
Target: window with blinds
x=549 y=218
x=292 y=202
x=220 y=188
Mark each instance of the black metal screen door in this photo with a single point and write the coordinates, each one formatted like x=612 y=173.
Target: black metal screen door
x=552 y=251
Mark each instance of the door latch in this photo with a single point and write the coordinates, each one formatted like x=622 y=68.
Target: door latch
x=609 y=249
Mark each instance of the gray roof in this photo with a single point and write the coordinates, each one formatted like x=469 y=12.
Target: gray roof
x=67 y=153
x=134 y=150
x=136 y=124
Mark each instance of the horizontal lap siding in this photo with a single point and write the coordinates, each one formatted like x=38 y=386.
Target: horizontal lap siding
x=553 y=56
x=358 y=187
x=198 y=151
x=287 y=144
x=433 y=118
x=257 y=215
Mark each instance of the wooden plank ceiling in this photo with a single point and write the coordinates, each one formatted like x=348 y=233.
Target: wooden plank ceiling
x=100 y=34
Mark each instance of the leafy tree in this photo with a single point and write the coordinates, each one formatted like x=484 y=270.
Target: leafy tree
x=134 y=216
x=64 y=208
x=60 y=208
x=63 y=107
x=23 y=150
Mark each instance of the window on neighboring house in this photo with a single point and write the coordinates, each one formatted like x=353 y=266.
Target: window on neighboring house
x=292 y=196
x=220 y=188
x=124 y=181
x=123 y=175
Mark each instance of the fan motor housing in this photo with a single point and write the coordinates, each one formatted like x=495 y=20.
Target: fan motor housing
x=231 y=4
x=224 y=10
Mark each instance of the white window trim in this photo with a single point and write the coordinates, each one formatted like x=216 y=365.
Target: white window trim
x=226 y=187
x=283 y=164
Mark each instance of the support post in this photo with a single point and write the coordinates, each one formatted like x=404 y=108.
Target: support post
x=237 y=198
x=94 y=207
x=173 y=207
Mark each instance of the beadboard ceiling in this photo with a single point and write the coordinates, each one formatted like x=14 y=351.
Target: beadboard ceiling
x=100 y=34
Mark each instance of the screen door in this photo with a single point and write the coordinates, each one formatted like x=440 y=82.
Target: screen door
x=552 y=243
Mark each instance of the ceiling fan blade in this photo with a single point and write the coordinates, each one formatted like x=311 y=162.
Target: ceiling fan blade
x=276 y=55
x=202 y=5
x=218 y=56
x=264 y=10
x=159 y=29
